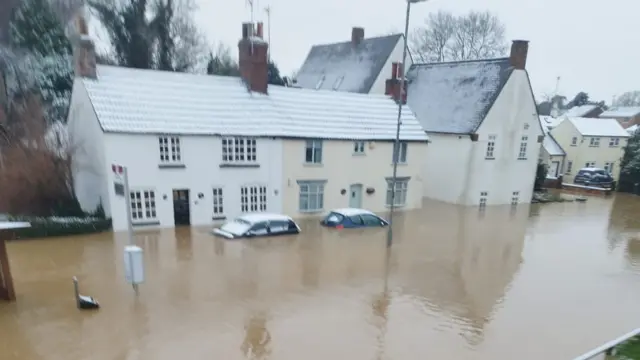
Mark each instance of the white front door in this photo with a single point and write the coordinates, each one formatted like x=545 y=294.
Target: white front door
x=553 y=169
x=355 y=196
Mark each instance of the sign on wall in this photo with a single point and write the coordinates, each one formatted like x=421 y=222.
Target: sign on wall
x=118 y=179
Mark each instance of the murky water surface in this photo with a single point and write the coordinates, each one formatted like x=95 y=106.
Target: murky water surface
x=546 y=282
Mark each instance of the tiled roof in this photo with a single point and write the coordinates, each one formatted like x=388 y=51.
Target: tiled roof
x=622 y=111
x=598 y=127
x=149 y=101
x=579 y=111
x=352 y=69
x=455 y=97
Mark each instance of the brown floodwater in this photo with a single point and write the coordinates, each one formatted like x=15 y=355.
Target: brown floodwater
x=541 y=282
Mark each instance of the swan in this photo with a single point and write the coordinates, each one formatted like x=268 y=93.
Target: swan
x=84 y=302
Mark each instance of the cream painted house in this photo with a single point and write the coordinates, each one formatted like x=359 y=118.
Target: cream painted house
x=202 y=148
x=361 y=65
x=551 y=153
x=591 y=142
x=483 y=127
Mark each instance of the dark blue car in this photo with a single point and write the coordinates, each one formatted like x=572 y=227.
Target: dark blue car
x=352 y=218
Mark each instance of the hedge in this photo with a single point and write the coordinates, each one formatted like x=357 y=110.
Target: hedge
x=59 y=226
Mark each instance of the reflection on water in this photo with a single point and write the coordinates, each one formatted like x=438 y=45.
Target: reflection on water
x=540 y=282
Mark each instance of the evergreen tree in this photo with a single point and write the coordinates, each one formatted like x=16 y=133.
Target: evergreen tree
x=273 y=74
x=630 y=165
x=36 y=30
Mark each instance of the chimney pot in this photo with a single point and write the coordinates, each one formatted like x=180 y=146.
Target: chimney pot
x=357 y=34
x=247 y=30
x=518 y=56
x=260 y=29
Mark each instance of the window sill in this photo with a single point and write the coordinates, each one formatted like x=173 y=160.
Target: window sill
x=312 y=164
x=401 y=164
x=311 y=211
x=146 y=223
x=239 y=166
x=172 y=166
x=395 y=206
x=359 y=154
x=489 y=158
x=594 y=146
x=219 y=218
x=522 y=159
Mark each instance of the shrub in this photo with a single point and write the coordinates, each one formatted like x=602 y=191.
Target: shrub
x=60 y=226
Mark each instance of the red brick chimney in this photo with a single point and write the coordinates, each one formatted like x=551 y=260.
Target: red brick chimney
x=252 y=56
x=84 y=52
x=518 y=56
x=392 y=86
x=357 y=34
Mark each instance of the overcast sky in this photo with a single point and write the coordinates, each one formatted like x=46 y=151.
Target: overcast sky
x=586 y=43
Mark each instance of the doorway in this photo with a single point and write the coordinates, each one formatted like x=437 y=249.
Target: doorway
x=355 y=196
x=553 y=170
x=181 y=210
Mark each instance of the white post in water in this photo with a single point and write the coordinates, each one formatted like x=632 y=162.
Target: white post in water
x=133 y=255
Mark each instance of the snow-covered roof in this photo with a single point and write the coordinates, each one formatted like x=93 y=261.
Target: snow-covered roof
x=550 y=144
x=149 y=101
x=632 y=129
x=549 y=122
x=622 y=111
x=345 y=67
x=598 y=127
x=455 y=97
x=579 y=111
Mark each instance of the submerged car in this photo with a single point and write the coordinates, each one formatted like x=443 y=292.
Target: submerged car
x=259 y=224
x=594 y=177
x=352 y=218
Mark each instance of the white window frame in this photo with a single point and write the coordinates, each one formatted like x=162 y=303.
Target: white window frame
x=515 y=198
x=170 y=152
x=574 y=141
x=239 y=150
x=404 y=147
x=590 y=164
x=522 y=153
x=358 y=147
x=310 y=192
x=491 y=148
x=594 y=142
x=144 y=205
x=483 y=198
x=608 y=166
x=217 y=201
x=253 y=198
x=569 y=167
x=401 y=189
x=614 y=142
x=313 y=151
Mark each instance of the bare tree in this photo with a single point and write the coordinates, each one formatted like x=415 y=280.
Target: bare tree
x=445 y=37
x=65 y=10
x=630 y=98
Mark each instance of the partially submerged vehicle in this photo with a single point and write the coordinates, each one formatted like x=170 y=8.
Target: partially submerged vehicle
x=257 y=224
x=352 y=218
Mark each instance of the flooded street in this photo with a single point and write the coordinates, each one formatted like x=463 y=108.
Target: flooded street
x=546 y=282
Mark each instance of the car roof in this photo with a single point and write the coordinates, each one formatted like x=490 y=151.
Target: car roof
x=591 y=169
x=352 y=211
x=259 y=217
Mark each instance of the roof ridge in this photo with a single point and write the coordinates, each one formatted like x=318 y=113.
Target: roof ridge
x=363 y=40
x=460 y=62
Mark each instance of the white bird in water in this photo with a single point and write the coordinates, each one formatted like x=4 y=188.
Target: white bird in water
x=84 y=302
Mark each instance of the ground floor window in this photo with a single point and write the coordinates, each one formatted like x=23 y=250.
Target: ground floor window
x=401 y=189
x=311 y=196
x=569 y=167
x=218 y=209
x=483 y=198
x=515 y=197
x=253 y=198
x=608 y=167
x=143 y=205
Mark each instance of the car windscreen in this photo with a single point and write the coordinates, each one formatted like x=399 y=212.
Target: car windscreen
x=236 y=227
x=333 y=219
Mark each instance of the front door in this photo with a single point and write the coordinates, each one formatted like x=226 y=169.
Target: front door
x=553 y=170
x=181 y=209
x=355 y=196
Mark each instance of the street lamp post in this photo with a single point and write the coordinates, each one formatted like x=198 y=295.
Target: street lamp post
x=396 y=146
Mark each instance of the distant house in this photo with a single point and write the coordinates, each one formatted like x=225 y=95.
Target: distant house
x=549 y=122
x=483 y=125
x=360 y=65
x=590 y=111
x=626 y=115
x=591 y=142
x=551 y=152
x=202 y=148
x=633 y=129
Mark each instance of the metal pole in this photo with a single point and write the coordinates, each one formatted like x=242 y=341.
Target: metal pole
x=268 y=11
x=396 y=147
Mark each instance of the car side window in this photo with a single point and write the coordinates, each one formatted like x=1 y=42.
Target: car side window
x=278 y=226
x=259 y=228
x=356 y=220
x=371 y=220
x=333 y=219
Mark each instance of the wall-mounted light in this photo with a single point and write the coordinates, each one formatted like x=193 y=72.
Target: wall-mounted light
x=164 y=197
x=370 y=190
x=200 y=195
x=343 y=191
x=275 y=192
